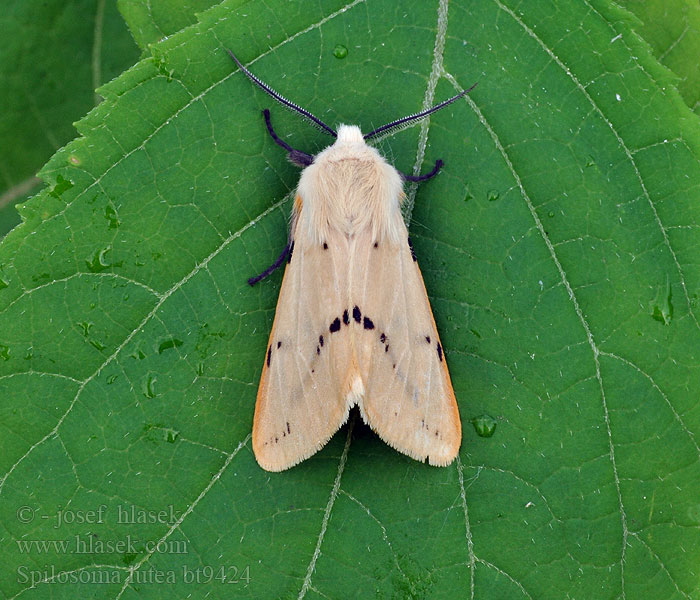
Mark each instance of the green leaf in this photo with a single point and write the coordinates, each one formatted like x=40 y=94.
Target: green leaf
x=53 y=55
x=152 y=20
x=559 y=249
x=672 y=29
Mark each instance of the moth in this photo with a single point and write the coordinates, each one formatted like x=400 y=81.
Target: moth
x=353 y=325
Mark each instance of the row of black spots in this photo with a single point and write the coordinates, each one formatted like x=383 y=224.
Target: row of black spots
x=334 y=326
x=356 y=314
x=346 y=317
x=383 y=340
x=438 y=347
x=424 y=425
x=274 y=439
x=269 y=352
x=410 y=247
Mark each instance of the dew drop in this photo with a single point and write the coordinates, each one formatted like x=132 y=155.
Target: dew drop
x=492 y=195
x=484 y=425
x=4 y=352
x=85 y=326
x=3 y=284
x=61 y=185
x=171 y=435
x=97 y=344
x=149 y=388
x=168 y=343
x=74 y=160
x=550 y=214
x=111 y=379
x=468 y=197
x=200 y=369
x=112 y=217
x=98 y=263
x=661 y=306
x=340 y=51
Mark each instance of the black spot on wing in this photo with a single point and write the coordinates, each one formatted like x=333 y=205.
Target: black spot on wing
x=320 y=340
x=269 y=355
x=382 y=338
x=410 y=246
x=325 y=246
x=288 y=430
x=376 y=245
x=346 y=317
x=291 y=251
x=368 y=324
x=427 y=338
x=356 y=314
x=335 y=325
x=439 y=351
x=279 y=345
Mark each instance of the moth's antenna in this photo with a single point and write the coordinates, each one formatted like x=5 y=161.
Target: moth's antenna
x=282 y=100
x=405 y=121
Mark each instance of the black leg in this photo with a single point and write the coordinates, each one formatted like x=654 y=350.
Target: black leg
x=296 y=156
x=273 y=267
x=419 y=178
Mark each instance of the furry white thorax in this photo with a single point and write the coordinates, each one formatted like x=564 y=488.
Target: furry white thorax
x=350 y=188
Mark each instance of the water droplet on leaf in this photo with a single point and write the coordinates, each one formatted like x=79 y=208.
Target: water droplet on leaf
x=150 y=386
x=61 y=185
x=484 y=425
x=98 y=263
x=340 y=51
x=112 y=217
x=492 y=195
x=97 y=344
x=4 y=352
x=168 y=343
x=85 y=326
x=661 y=306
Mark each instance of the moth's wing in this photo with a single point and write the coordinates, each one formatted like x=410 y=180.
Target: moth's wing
x=300 y=402
x=408 y=400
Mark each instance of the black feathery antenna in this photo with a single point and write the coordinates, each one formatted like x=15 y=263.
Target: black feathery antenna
x=282 y=100
x=405 y=121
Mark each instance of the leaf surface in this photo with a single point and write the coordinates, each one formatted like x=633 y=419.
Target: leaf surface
x=53 y=56
x=559 y=248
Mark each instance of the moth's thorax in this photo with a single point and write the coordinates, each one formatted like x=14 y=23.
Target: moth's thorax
x=349 y=188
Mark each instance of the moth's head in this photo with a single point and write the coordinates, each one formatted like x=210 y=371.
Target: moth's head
x=348 y=137
x=350 y=144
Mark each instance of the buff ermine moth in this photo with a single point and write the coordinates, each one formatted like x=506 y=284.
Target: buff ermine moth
x=353 y=324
